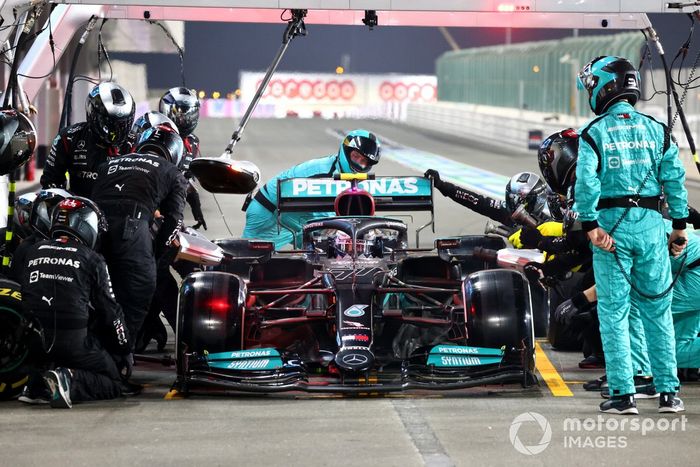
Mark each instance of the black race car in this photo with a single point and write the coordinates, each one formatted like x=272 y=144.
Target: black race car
x=355 y=310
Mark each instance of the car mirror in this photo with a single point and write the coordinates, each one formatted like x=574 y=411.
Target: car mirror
x=225 y=175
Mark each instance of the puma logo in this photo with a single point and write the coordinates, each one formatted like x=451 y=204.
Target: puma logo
x=47 y=300
x=119 y=187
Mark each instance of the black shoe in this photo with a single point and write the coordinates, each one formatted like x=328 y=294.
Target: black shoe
x=131 y=389
x=688 y=375
x=643 y=386
x=592 y=362
x=595 y=384
x=31 y=398
x=620 y=405
x=58 y=381
x=670 y=403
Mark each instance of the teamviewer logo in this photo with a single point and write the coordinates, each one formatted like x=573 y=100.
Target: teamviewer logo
x=526 y=419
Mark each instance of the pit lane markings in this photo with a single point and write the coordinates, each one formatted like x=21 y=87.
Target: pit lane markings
x=550 y=375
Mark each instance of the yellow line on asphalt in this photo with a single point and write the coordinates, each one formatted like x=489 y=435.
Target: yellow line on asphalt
x=550 y=375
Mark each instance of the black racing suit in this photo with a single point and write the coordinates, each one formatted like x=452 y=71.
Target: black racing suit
x=18 y=265
x=486 y=206
x=63 y=280
x=165 y=297
x=75 y=150
x=129 y=189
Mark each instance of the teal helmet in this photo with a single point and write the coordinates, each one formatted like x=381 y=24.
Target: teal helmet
x=607 y=80
x=364 y=142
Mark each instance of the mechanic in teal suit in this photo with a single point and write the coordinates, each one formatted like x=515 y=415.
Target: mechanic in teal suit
x=359 y=151
x=625 y=161
x=686 y=305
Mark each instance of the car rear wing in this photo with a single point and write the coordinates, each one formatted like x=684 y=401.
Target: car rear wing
x=391 y=194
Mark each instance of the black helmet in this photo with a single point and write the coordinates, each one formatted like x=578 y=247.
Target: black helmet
x=79 y=218
x=17 y=140
x=557 y=158
x=40 y=218
x=22 y=214
x=365 y=143
x=607 y=80
x=149 y=120
x=162 y=141
x=110 y=113
x=182 y=107
x=528 y=190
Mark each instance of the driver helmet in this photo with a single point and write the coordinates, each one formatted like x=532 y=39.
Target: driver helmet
x=343 y=245
x=162 y=141
x=529 y=190
x=182 y=107
x=557 y=158
x=23 y=211
x=608 y=79
x=17 y=140
x=42 y=210
x=110 y=113
x=79 y=218
x=359 y=151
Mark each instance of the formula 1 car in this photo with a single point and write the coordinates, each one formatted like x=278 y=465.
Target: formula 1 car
x=355 y=310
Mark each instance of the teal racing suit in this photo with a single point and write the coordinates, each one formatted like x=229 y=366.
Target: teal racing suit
x=686 y=304
x=626 y=159
x=261 y=215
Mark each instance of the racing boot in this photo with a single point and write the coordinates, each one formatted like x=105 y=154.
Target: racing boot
x=592 y=362
x=32 y=396
x=58 y=381
x=620 y=405
x=670 y=403
x=688 y=375
x=643 y=386
x=595 y=384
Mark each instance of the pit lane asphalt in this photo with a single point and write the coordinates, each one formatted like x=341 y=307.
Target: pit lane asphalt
x=469 y=427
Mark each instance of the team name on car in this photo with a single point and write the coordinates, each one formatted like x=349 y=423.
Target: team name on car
x=454 y=350
x=55 y=261
x=383 y=186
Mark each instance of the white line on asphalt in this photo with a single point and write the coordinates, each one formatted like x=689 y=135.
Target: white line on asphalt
x=422 y=435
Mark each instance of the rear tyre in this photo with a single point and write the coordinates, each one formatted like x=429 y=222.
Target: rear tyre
x=498 y=311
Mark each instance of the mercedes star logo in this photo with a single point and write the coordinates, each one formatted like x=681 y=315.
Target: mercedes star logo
x=355 y=359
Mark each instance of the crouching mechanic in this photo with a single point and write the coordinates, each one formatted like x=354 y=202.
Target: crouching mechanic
x=67 y=288
x=129 y=189
x=625 y=161
x=359 y=151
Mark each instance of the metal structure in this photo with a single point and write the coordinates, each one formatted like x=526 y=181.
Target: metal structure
x=537 y=76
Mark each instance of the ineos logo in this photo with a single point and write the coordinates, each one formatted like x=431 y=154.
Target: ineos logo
x=528 y=417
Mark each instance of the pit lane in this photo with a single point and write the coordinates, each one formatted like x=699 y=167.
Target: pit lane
x=465 y=427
